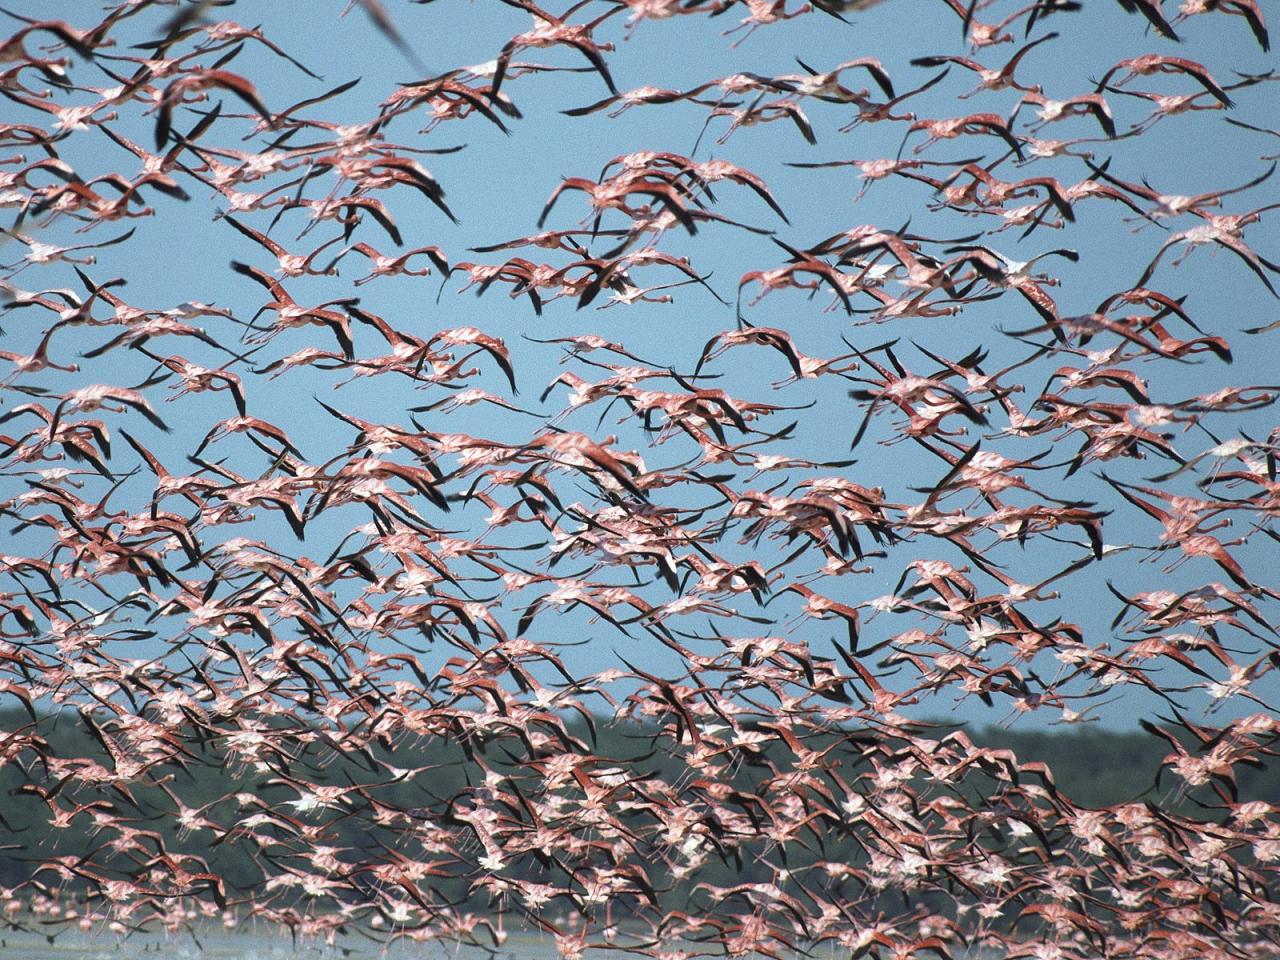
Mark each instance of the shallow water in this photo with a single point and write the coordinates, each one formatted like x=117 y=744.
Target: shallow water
x=76 y=945
x=219 y=945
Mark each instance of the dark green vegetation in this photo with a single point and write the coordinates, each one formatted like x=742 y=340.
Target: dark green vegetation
x=46 y=812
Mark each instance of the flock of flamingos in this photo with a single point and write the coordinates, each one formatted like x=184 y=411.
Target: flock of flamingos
x=780 y=625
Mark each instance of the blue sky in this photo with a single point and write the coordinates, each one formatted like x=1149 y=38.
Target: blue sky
x=498 y=184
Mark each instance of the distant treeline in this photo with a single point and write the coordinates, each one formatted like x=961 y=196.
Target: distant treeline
x=1093 y=767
